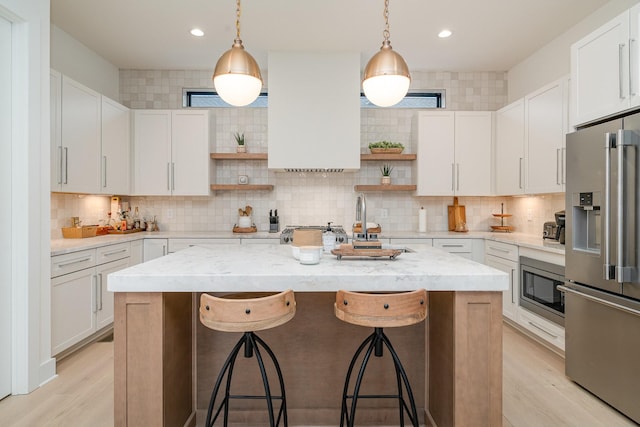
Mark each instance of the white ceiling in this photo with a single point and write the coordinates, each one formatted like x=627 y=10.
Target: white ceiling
x=488 y=35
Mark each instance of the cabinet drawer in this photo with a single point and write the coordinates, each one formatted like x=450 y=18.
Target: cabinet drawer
x=501 y=250
x=68 y=263
x=113 y=252
x=548 y=331
x=453 y=245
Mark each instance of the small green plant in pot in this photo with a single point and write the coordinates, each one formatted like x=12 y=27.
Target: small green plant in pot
x=386 y=174
x=386 y=147
x=241 y=148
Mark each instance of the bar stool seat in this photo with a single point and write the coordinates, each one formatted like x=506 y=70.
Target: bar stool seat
x=247 y=313
x=379 y=310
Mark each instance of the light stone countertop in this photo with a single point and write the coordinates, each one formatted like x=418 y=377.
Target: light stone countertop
x=62 y=246
x=249 y=268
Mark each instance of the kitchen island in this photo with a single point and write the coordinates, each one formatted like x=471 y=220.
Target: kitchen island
x=165 y=361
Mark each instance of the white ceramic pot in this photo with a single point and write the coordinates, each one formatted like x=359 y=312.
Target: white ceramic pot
x=244 y=221
x=310 y=255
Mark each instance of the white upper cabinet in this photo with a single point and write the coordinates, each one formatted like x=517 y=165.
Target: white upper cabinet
x=171 y=152
x=453 y=153
x=530 y=142
x=75 y=136
x=116 y=148
x=510 y=161
x=604 y=69
x=546 y=125
x=90 y=140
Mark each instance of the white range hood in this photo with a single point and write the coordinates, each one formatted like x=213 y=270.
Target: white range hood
x=314 y=111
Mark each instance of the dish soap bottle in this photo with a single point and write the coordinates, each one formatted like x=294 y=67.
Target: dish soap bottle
x=328 y=239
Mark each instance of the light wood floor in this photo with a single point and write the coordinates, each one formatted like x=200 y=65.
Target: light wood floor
x=536 y=393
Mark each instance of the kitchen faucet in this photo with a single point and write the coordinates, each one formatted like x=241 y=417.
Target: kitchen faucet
x=361 y=215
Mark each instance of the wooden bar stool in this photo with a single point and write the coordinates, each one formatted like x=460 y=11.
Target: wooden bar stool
x=379 y=310
x=247 y=313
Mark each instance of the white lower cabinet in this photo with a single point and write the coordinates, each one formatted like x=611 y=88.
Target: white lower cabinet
x=81 y=305
x=504 y=257
x=104 y=298
x=72 y=305
x=548 y=331
x=155 y=248
x=472 y=249
x=137 y=252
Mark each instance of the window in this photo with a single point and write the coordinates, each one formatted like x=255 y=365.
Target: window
x=208 y=98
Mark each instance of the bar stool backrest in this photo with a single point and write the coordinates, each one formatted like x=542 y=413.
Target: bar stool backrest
x=381 y=310
x=247 y=312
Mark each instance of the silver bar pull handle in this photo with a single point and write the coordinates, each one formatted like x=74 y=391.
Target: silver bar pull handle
x=94 y=279
x=521 y=173
x=60 y=165
x=164 y=250
x=173 y=176
x=100 y=292
x=168 y=176
x=104 y=171
x=563 y=163
x=66 y=165
x=620 y=204
x=620 y=71
x=558 y=166
x=540 y=328
x=607 y=268
x=626 y=269
x=453 y=176
x=513 y=270
x=599 y=300
x=632 y=73
x=457 y=176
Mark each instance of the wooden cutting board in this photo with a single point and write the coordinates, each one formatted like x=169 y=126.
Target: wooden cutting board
x=456 y=213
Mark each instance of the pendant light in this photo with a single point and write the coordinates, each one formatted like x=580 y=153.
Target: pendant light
x=237 y=77
x=386 y=77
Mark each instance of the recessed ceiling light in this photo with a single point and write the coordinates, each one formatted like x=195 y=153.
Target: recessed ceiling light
x=197 y=32
x=444 y=34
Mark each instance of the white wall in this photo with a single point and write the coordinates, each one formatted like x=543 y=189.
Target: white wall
x=29 y=202
x=72 y=58
x=553 y=60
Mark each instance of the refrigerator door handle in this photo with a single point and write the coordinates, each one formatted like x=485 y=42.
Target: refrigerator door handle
x=608 y=270
x=624 y=273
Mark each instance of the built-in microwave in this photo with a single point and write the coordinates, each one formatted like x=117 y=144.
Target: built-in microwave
x=539 y=292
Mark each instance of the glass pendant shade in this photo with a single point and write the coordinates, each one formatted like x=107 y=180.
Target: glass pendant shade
x=237 y=77
x=386 y=77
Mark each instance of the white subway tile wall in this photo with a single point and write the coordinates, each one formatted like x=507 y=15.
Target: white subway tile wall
x=309 y=198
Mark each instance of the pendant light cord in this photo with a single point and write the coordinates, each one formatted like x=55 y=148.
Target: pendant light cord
x=238 y=18
x=385 y=33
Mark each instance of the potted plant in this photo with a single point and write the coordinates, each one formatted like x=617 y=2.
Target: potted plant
x=387 y=147
x=241 y=148
x=386 y=174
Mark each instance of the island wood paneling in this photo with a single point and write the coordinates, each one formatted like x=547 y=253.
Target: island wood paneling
x=153 y=359
x=465 y=358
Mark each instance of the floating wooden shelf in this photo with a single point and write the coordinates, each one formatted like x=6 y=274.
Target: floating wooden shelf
x=408 y=187
x=241 y=187
x=239 y=156
x=365 y=157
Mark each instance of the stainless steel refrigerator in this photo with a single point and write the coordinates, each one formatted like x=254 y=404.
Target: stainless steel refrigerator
x=602 y=289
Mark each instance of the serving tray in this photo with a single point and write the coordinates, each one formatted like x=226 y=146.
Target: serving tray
x=349 y=251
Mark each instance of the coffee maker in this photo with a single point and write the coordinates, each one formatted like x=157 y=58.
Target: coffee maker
x=560 y=221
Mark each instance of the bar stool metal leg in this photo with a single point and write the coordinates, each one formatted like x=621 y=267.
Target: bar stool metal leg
x=375 y=343
x=251 y=343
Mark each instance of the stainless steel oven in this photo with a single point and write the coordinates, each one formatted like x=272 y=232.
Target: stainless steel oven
x=539 y=291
